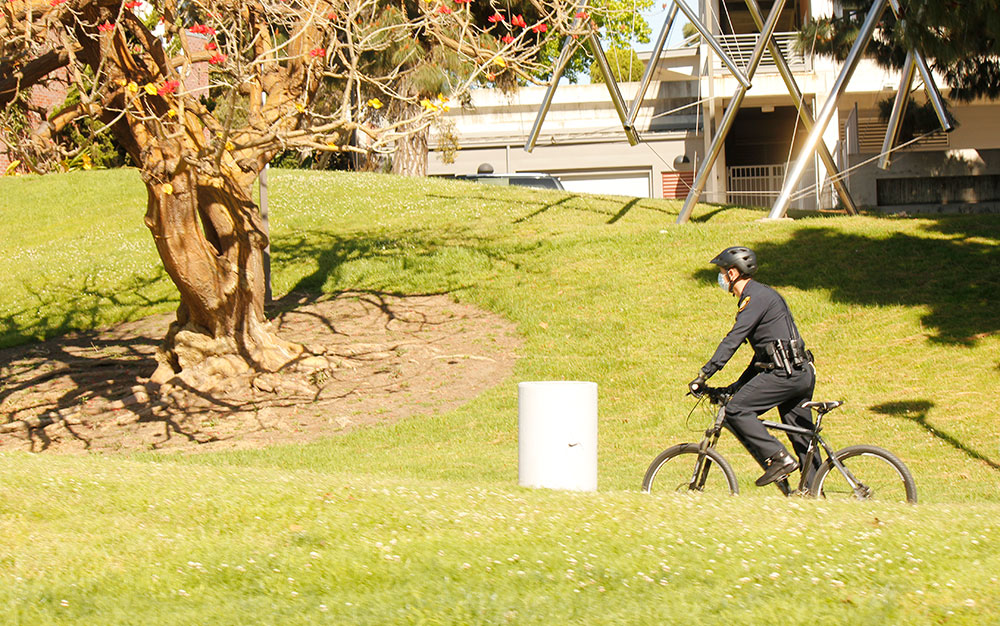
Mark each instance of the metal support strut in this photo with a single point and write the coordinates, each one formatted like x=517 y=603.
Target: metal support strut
x=729 y=117
x=569 y=47
x=804 y=115
x=829 y=108
x=626 y=115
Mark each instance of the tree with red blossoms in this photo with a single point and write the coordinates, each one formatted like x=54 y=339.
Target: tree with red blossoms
x=316 y=75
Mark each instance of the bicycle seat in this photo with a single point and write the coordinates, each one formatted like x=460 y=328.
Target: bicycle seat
x=822 y=407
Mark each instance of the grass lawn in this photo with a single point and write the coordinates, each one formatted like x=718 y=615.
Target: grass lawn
x=422 y=521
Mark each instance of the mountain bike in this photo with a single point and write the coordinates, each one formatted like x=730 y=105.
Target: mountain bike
x=861 y=472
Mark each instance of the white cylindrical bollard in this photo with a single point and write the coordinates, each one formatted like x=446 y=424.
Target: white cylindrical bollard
x=557 y=435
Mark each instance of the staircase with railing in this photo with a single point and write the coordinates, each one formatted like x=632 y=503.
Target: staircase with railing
x=740 y=50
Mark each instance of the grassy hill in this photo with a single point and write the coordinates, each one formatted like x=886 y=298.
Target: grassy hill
x=901 y=314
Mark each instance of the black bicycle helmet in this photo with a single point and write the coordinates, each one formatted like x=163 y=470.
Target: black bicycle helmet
x=740 y=257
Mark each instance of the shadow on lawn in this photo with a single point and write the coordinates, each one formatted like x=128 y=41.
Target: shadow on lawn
x=78 y=372
x=332 y=251
x=916 y=411
x=617 y=206
x=90 y=390
x=57 y=309
x=95 y=371
x=956 y=280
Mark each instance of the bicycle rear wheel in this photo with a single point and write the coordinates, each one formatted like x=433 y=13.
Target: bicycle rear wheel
x=878 y=473
x=674 y=470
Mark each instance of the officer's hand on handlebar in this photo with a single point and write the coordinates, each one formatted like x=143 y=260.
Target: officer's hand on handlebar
x=697 y=386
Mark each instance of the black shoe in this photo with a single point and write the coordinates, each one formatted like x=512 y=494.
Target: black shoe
x=779 y=466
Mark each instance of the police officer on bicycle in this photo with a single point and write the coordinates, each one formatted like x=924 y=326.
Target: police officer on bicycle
x=780 y=374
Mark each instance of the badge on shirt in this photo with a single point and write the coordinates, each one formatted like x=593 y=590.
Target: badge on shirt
x=743 y=304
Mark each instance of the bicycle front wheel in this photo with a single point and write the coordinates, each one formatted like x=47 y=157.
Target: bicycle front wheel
x=678 y=469
x=876 y=473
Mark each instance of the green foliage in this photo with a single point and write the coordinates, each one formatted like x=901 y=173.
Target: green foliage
x=620 y=22
x=689 y=30
x=625 y=66
x=448 y=140
x=100 y=146
x=957 y=38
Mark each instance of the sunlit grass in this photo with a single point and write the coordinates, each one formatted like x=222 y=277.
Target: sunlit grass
x=104 y=541
x=901 y=314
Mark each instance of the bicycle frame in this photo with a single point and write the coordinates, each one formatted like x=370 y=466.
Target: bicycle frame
x=700 y=475
x=815 y=442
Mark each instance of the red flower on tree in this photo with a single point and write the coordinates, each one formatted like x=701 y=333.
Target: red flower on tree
x=507 y=39
x=211 y=45
x=105 y=27
x=218 y=59
x=518 y=20
x=133 y=4
x=202 y=29
x=539 y=28
x=317 y=52
x=169 y=86
x=496 y=18
x=444 y=10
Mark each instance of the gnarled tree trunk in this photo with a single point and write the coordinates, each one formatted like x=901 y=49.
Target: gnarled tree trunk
x=208 y=233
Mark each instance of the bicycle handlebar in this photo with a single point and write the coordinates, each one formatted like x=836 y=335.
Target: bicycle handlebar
x=716 y=395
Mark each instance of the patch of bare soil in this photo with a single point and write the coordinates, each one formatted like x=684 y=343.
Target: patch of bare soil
x=375 y=358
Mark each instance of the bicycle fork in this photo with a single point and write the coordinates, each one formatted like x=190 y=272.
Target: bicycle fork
x=701 y=467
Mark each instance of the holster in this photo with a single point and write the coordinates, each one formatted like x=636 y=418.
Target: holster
x=788 y=355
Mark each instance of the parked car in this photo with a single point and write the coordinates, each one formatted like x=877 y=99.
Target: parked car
x=522 y=179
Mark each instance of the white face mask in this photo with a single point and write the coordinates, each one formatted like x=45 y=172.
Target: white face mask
x=724 y=283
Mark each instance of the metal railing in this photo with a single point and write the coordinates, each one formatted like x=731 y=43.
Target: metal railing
x=740 y=49
x=754 y=185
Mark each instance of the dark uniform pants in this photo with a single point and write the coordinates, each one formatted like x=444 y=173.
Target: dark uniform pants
x=764 y=392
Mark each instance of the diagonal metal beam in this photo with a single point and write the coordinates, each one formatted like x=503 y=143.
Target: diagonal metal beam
x=804 y=113
x=712 y=41
x=933 y=94
x=569 y=47
x=898 y=108
x=654 y=59
x=829 y=108
x=612 y=84
x=627 y=115
x=729 y=117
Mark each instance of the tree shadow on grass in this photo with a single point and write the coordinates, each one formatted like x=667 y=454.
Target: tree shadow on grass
x=957 y=280
x=717 y=210
x=617 y=207
x=80 y=304
x=916 y=411
x=456 y=253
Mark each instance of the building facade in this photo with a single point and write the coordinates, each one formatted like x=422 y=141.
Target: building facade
x=582 y=141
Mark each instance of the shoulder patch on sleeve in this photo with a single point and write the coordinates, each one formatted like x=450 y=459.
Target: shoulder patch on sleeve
x=743 y=304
